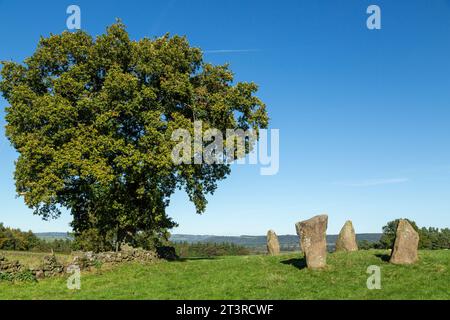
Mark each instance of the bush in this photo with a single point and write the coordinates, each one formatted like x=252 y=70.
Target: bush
x=201 y=249
x=57 y=245
x=150 y=240
x=367 y=245
x=23 y=276
x=92 y=240
x=6 y=276
x=167 y=253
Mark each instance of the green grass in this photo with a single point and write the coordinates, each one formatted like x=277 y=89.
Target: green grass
x=253 y=277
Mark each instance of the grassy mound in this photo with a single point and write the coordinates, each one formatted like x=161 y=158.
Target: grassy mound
x=253 y=277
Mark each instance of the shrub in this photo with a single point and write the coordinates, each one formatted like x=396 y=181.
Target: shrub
x=22 y=276
x=93 y=240
x=206 y=249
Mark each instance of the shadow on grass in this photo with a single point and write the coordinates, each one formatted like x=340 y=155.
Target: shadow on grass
x=299 y=263
x=384 y=257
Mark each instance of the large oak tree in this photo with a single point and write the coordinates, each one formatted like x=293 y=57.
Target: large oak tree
x=92 y=121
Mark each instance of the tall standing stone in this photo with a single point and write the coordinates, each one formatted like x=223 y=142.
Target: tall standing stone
x=346 y=240
x=273 y=246
x=405 y=245
x=313 y=240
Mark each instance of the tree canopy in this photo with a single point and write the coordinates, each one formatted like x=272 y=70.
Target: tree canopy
x=15 y=239
x=92 y=121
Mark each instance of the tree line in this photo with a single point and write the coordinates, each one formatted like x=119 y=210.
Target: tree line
x=18 y=240
x=430 y=238
x=209 y=249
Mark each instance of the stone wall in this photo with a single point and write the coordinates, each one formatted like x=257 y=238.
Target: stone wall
x=9 y=266
x=86 y=260
x=50 y=266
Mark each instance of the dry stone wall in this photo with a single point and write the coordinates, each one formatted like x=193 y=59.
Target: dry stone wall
x=9 y=266
x=51 y=267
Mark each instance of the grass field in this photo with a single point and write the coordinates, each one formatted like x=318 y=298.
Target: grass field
x=252 y=277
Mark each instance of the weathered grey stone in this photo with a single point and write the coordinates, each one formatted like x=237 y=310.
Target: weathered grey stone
x=273 y=246
x=10 y=266
x=50 y=266
x=313 y=240
x=126 y=248
x=346 y=240
x=82 y=261
x=406 y=244
x=87 y=260
x=39 y=274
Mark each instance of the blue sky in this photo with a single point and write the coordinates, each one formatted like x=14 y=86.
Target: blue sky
x=363 y=114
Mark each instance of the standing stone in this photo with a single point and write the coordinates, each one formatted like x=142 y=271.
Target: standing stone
x=346 y=240
x=273 y=246
x=405 y=245
x=313 y=240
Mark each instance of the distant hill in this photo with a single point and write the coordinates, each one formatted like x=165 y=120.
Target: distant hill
x=287 y=242
x=53 y=235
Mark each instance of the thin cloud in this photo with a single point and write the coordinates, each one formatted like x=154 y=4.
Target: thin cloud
x=373 y=182
x=231 y=51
